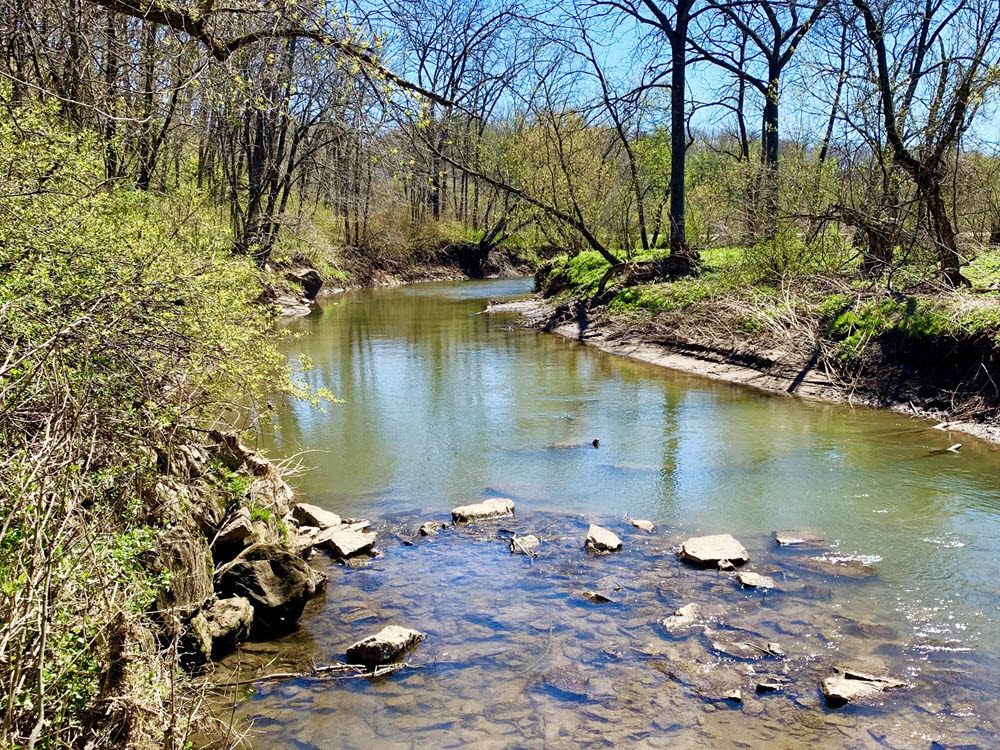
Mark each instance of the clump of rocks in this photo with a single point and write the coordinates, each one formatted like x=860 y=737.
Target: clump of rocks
x=236 y=557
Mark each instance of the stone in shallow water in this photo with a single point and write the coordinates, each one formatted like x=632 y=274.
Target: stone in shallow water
x=683 y=617
x=736 y=696
x=524 y=545
x=754 y=580
x=796 y=536
x=642 y=525
x=312 y=515
x=597 y=597
x=854 y=685
x=495 y=507
x=385 y=646
x=344 y=542
x=768 y=686
x=710 y=550
x=429 y=529
x=277 y=582
x=600 y=539
x=739 y=650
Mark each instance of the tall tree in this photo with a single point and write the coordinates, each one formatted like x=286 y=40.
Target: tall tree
x=776 y=28
x=930 y=85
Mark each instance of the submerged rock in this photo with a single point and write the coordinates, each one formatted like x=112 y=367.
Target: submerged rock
x=495 y=507
x=711 y=550
x=599 y=539
x=277 y=583
x=683 y=617
x=312 y=515
x=755 y=580
x=739 y=650
x=229 y=622
x=524 y=545
x=841 y=567
x=793 y=537
x=383 y=647
x=642 y=525
x=854 y=685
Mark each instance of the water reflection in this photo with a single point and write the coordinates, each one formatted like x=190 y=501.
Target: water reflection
x=444 y=405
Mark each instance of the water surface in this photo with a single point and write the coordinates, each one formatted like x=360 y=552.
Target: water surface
x=443 y=405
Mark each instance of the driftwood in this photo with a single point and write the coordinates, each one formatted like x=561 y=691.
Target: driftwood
x=356 y=670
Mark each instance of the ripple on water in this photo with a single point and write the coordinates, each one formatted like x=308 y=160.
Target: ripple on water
x=517 y=657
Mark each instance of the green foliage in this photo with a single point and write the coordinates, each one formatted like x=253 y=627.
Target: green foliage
x=855 y=325
x=669 y=297
x=984 y=270
x=260 y=513
x=124 y=317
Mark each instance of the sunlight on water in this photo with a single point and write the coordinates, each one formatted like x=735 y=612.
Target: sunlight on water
x=444 y=406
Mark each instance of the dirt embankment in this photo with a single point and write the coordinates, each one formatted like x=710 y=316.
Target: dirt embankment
x=949 y=386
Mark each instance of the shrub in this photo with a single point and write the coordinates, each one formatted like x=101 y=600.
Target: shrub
x=124 y=318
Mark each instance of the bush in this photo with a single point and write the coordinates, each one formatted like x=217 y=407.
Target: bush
x=124 y=318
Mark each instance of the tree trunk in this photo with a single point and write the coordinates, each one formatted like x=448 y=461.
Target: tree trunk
x=678 y=134
x=769 y=155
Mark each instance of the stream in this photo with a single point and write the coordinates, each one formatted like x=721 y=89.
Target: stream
x=444 y=406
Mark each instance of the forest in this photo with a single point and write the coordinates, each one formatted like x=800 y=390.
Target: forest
x=744 y=172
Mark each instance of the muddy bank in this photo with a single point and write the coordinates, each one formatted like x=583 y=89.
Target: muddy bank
x=794 y=370
x=573 y=647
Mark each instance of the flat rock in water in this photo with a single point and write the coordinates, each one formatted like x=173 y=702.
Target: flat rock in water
x=793 y=537
x=602 y=540
x=344 y=542
x=383 y=647
x=739 y=650
x=312 y=515
x=597 y=597
x=755 y=580
x=710 y=550
x=642 y=525
x=852 y=685
x=524 y=545
x=495 y=507
x=683 y=617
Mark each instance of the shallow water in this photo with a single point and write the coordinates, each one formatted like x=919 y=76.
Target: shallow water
x=444 y=406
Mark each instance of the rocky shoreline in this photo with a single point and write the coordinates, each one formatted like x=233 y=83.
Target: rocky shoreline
x=236 y=558
x=649 y=621
x=782 y=373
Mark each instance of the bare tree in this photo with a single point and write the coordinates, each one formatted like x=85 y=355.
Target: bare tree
x=930 y=86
